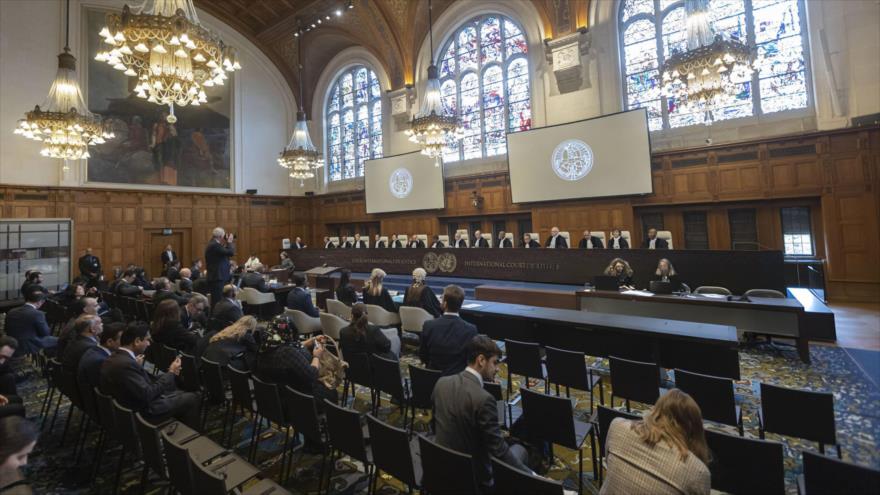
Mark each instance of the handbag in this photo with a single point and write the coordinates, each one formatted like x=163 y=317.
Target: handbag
x=332 y=371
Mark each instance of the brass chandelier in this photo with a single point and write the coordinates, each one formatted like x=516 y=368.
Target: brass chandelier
x=64 y=124
x=431 y=128
x=165 y=47
x=705 y=78
x=300 y=155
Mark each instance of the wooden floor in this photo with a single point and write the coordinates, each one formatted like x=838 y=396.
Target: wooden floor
x=858 y=325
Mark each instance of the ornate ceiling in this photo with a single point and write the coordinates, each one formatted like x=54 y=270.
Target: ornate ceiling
x=392 y=30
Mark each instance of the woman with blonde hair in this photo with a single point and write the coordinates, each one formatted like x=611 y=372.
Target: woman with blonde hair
x=664 y=453
x=420 y=295
x=620 y=268
x=666 y=273
x=235 y=344
x=374 y=293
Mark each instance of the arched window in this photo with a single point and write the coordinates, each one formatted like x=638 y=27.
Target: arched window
x=651 y=30
x=353 y=120
x=484 y=79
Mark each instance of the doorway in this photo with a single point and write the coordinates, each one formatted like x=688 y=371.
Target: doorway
x=153 y=251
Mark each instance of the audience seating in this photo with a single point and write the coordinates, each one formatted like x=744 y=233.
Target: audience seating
x=272 y=409
x=825 y=475
x=104 y=404
x=357 y=373
x=387 y=378
x=634 y=380
x=604 y=417
x=768 y=293
x=421 y=382
x=346 y=435
x=510 y=480
x=150 y=440
x=745 y=465
x=301 y=413
x=240 y=384
x=712 y=289
x=332 y=324
x=305 y=324
x=261 y=304
x=189 y=373
x=377 y=315
x=569 y=369
x=339 y=309
x=215 y=390
x=714 y=395
x=412 y=319
x=798 y=413
x=523 y=358
x=394 y=453
x=126 y=435
x=446 y=471
x=666 y=236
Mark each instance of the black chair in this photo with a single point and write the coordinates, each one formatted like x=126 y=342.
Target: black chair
x=825 y=475
x=179 y=468
x=634 y=380
x=394 y=453
x=301 y=413
x=126 y=434
x=387 y=378
x=52 y=370
x=215 y=388
x=357 y=373
x=150 y=440
x=346 y=434
x=163 y=357
x=55 y=371
x=225 y=475
x=798 y=413
x=70 y=389
x=107 y=420
x=510 y=480
x=189 y=373
x=604 y=417
x=714 y=395
x=421 y=384
x=551 y=419
x=523 y=358
x=505 y=409
x=271 y=408
x=569 y=369
x=446 y=471
x=240 y=384
x=745 y=465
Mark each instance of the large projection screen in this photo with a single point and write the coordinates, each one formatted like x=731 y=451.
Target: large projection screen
x=605 y=156
x=403 y=183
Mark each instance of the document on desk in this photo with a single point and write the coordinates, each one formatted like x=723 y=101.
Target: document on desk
x=638 y=293
x=471 y=306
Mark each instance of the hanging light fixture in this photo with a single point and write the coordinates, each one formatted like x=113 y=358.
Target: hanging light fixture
x=431 y=128
x=170 y=54
x=706 y=77
x=300 y=156
x=64 y=124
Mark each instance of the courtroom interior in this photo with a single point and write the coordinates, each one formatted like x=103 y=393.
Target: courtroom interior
x=439 y=246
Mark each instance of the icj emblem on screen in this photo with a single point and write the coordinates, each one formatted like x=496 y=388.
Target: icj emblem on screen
x=572 y=160
x=400 y=183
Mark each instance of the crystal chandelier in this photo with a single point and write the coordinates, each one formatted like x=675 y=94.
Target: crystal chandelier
x=705 y=78
x=172 y=56
x=432 y=128
x=300 y=156
x=64 y=124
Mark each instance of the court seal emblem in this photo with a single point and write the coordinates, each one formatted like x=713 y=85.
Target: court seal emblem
x=572 y=160
x=447 y=262
x=400 y=183
x=430 y=262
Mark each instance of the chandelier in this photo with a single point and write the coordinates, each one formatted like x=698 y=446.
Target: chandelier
x=64 y=124
x=300 y=155
x=706 y=77
x=431 y=128
x=172 y=56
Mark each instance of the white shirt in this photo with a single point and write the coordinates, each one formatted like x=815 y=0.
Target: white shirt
x=652 y=243
x=589 y=243
x=252 y=262
x=393 y=243
x=450 y=313
x=474 y=372
x=553 y=241
x=527 y=245
x=615 y=242
x=170 y=255
x=501 y=243
x=357 y=244
x=327 y=244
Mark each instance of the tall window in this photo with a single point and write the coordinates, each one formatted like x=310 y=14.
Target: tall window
x=653 y=30
x=797 y=236
x=484 y=79
x=354 y=123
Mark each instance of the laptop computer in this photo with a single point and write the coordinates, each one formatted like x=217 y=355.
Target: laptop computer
x=606 y=282
x=660 y=287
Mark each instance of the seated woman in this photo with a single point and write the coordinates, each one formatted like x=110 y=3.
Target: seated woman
x=346 y=292
x=374 y=293
x=286 y=262
x=664 y=453
x=167 y=329
x=620 y=268
x=420 y=295
x=616 y=241
x=362 y=337
x=235 y=344
x=666 y=273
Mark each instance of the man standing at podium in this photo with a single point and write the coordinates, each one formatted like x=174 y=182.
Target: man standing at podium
x=220 y=249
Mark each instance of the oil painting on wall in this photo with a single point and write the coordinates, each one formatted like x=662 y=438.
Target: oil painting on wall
x=147 y=150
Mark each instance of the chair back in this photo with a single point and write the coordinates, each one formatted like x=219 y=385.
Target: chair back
x=384 y=238
x=106 y=415
x=446 y=471
x=89 y=402
x=604 y=416
x=207 y=482
x=339 y=309
x=358 y=370
x=212 y=377
x=423 y=238
x=823 y=474
x=179 y=466
x=189 y=373
x=268 y=401
x=635 y=380
x=666 y=236
x=332 y=324
x=305 y=324
x=256 y=298
x=345 y=431
x=412 y=318
x=217 y=324
x=523 y=358
x=444 y=238
x=386 y=376
x=377 y=315
x=798 y=413
x=163 y=356
x=549 y=418
x=69 y=387
x=302 y=414
x=335 y=240
x=600 y=234
x=509 y=479
x=421 y=382
x=567 y=236
x=534 y=236
x=240 y=383
x=745 y=465
x=713 y=394
x=464 y=235
x=713 y=289
x=126 y=431
x=768 y=293
x=567 y=368
x=624 y=234
x=151 y=445
x=391 y=450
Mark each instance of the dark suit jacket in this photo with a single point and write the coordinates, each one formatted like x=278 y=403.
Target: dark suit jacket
x=443 y=341
x=438 y=244
x=255 y=281
x=416 y=244
x=174 y=335
x=505 y=243
x=329 y=245
x=347 y=295
x=622 y=241
x=396 y=244
x=166 y=258
x=481 y=243
x=161 y=295
x=74 y=352
x=241 y=353
x=200 y=285
x=227 y=310
x=597 y=243
x=217 y=260
x=88 y=372
x=124 y=288
x=560 y=242
x=172 y=274
x=90 y=265
x=427 y=301
x=362 y=243
x=26 y=324
x=127 y=382
x=660 y=244
x=532 y=244
x=296 y=245
x=196 y=273
x=301 y=299
x=373 y=342
x=460 y=243
x=383 y=299
x=380 y=245
x=466 y=420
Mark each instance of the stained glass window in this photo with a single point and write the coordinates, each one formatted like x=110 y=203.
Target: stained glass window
x=484 y=79
x=652 y=30
x=354 y=123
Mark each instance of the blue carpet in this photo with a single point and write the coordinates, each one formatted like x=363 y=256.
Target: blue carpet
x=868 y=361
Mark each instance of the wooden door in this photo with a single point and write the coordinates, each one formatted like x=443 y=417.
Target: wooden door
x=154 y=248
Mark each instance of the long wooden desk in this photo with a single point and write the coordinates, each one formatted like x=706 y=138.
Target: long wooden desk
x=699 y=347
x=781 y=317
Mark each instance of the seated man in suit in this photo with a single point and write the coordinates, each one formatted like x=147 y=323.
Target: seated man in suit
x=444 y=338
x=395 y=242
x=358 y=243
x=328 y=244
x=436 y=243
x=196 y=270
x=590 y=242
x=503 y=241
x=88 y=372
x=172 y=271
x=556 y=241
x=254 y=280
x=28 y=326
x=466 y=415
x=192 y=314
x=377 y=243
x=156 y=398
x=529 y=243
x=124 y=286
x=653 y=242
x=479 y=242
x=87 y=328
x=300 y=298
x=458 y=242
x=228 y=310
x=163 y=291
x=415 y=242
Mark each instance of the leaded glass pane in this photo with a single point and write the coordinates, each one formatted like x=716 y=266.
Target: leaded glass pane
x=641 y=56
x=376 y=145
x=493 y=91
x=511 y=29
x=356 y=134
x=728 y=18
x=472 y=146
x=776 y=20
x=377 y=117
x=781 y=57
x=447 y=63
x=520 y=116
x=666 y=3
x=632 y=8
x=518 y=88
x=348 y=169
x=361 y=85
x=516 y=45
x=642 y=87
x=674 y=32
x=640 y=30
x=346 y=83
x=333 y=106
x=784 y=92
x=470 y=88
x=447 y=93
x=490 y=40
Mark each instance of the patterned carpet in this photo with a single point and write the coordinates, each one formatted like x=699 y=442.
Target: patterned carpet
x=857 y=410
